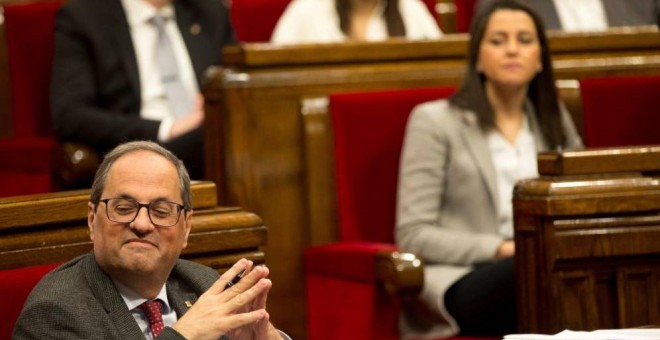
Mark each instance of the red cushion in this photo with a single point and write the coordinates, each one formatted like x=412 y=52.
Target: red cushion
x=27 y=154
x=368 y=133
x=349 y=260
x=464 y=14
x=16 y=285
x=29 y=29
x=621 y=111
x=255 y=20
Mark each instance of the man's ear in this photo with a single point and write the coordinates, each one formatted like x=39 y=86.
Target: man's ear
x=91 y=215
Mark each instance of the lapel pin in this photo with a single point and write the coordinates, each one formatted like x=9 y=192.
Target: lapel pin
x=195 y=29
x=188 y=304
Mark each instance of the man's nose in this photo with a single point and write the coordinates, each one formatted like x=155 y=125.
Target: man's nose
x=142 y=222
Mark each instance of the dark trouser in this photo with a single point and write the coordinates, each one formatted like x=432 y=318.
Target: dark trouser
x=190 y=148
x=483 y=302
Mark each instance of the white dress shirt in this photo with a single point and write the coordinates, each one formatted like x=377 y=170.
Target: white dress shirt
x=154 y=103
x=317 y=21
x=581 y=15
x=512 y=162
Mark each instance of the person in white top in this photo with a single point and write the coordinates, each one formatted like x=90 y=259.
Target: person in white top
x=331 y=21
x=593 y=15
x=459 y=163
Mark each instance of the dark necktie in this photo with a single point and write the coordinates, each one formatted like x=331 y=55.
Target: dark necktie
x=153 y=311
x=180 y=102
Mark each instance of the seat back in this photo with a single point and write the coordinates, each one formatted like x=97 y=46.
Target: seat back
x=29 y=30
x=368 y=131
x=15 y=285
x=621 y=111
x=255 y=20
x=464 y=13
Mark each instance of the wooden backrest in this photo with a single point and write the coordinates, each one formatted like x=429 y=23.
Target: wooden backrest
x=40 y=231
x=29 y=31
x=621 y=111
x=368 y=130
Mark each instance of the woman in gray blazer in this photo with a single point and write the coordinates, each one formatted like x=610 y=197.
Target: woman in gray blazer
x=460 y=160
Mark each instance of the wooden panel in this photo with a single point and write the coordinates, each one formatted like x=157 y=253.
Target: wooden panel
x=595 y=238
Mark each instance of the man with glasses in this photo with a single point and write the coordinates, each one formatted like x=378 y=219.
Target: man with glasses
x=133 y=284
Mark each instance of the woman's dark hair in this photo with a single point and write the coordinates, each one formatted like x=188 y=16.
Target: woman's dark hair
x=541 y=92
x=393 y=20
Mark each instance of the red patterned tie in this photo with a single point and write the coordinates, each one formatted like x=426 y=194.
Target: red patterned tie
x=152 y=309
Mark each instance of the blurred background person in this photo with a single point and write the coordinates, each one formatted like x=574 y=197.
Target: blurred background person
x=131 y=69
x=594 y=15
x=461 y=158
x=328 y=21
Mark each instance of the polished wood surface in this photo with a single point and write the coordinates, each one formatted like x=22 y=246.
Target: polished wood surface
x=270 y=156
x=587 y=236
x=49 y=228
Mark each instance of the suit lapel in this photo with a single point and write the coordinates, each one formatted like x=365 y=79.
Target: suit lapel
x=107 y=295
x=550 y=16
x=120 y=32
x=193 y=34
x=180 y=299
x=477 y=145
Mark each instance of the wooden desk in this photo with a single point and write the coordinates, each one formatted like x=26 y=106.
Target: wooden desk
x=255 y=130
x=587 y=236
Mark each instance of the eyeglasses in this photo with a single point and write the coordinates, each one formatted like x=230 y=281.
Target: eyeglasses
x=125 y=210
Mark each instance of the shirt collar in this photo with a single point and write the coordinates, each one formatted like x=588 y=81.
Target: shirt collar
x=133 y=299
x=139 y=12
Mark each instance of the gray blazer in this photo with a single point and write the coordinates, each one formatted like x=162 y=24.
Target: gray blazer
x=447 y=197
x=79 y=301
x=618 y=12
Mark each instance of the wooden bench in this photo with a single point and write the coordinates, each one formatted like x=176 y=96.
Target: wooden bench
x=257 y=134
x=40 y=231
x=587 y=241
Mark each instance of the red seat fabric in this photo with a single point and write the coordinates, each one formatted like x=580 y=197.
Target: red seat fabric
x=27 y=155
x=343 y=301
x=621 y=111
x=16 y=285
x=255 y=20
x=464 y=13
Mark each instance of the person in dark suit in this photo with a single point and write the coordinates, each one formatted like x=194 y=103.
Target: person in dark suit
x=615 y=12
x=135 y=263
x=105 y=88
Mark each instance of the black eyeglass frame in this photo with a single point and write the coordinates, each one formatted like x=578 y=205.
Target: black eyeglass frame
x=180 y=208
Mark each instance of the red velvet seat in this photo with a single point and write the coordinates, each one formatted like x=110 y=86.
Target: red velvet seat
x=343 y=301
x=15 y=286
x=464 y=13
x=621 y=111
x=27 y=156
x=254 y=20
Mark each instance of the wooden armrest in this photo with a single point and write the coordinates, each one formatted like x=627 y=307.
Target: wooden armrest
x=399 y=273
x=75 y=165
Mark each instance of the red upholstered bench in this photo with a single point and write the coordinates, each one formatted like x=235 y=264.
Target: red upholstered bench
x=27 y=156
x=345 y=296
x=621 y=111
x=15 y=286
